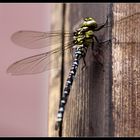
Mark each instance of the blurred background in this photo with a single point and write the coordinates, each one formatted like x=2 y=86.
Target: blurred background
x=23 y=99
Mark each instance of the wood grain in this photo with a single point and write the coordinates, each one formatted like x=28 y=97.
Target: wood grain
x=104 y=101
x=126 y=70
x=88 y=104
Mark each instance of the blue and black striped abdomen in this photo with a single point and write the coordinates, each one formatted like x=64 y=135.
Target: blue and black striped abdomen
x=79 y=53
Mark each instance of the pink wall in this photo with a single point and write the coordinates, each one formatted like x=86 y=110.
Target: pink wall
x=23 y=99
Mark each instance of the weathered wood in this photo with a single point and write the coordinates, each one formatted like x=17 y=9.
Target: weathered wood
x=55 y=83
x=126 y=70
x=87 y=110
x=104 y=101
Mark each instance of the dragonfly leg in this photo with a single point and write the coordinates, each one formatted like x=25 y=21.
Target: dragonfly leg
x=102 y=42
x=96 y=39
x=102 y=26
x=97 y=52
x=106 y=41
x=85 y=65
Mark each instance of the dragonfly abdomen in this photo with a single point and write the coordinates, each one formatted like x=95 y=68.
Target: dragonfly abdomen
x=79 y=53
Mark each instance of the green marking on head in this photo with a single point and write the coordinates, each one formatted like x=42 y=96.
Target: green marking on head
x=89 y=22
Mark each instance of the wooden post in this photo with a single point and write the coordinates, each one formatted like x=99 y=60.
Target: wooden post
x=55 y=74
x=126 y=70
x=104 y=101
x=87 y=109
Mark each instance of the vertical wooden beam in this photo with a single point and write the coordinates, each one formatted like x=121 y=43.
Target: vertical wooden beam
x=55 y=74
x=95 y=106
x=87 y=109
x=126 y=70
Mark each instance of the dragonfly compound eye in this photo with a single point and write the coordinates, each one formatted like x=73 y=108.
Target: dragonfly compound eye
x=88 y=18
x=89 y=22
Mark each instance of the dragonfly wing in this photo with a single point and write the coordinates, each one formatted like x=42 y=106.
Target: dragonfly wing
x=37 y=63
x=30 y=65
x=37 y=39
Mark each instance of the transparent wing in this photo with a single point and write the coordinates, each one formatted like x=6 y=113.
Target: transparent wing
x=37 y=63
x=37 y=39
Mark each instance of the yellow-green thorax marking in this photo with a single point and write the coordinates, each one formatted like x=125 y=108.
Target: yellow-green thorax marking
x=84 y=34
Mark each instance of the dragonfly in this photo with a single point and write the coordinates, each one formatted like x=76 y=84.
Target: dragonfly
x=82 y=38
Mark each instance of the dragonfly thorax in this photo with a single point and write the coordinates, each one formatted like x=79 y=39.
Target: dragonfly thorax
x=82 y=34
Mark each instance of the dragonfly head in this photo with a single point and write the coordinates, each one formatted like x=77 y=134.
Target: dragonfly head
x=89 y=22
